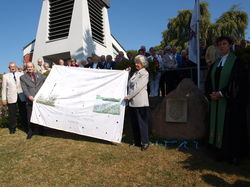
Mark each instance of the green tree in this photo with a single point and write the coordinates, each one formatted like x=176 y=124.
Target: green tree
x=133 y=52
x=178 y=28
x=231 y=23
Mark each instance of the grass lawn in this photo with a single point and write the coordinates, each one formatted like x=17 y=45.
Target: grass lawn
x=63 y=159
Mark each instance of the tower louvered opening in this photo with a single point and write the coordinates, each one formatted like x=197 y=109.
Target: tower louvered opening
x=60 y=14
x=96 y=20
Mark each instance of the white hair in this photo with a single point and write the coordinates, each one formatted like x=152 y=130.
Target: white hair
x=142 y=59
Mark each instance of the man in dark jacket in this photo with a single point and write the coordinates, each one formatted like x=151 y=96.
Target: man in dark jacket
x=31 y=83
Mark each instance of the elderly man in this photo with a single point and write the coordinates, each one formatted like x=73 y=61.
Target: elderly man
x=170 y=64
x=212 y=53
x=120 y=57
x=12 y=95
x=31 y=83
x=39 y=68
x=102 y=62
x=154 y=80
x=144 y=51
x=109 y=63
x=89 y=62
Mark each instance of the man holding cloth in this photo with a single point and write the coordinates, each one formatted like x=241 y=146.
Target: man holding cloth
x=31 y=83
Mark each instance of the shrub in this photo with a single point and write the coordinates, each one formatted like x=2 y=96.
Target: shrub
x=3 y=109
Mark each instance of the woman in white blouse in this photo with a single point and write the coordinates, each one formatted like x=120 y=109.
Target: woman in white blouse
x=138 y=102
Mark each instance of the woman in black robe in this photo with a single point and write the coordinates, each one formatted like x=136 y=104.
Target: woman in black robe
x=227 y=90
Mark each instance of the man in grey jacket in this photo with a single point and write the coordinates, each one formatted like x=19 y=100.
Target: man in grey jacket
x=31 y=83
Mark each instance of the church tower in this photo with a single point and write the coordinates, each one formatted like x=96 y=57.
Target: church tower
x=74 y=29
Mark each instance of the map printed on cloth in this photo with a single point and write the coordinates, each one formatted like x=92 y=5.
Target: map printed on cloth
x=84 y=101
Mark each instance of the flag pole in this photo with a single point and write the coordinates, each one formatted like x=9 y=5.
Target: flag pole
x=198 y=42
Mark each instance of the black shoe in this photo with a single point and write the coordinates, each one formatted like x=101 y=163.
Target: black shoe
x=219 y=157
x=234 y=161
x=144 y=147
x=12 y=131
x=30 y=134
x=135 y=145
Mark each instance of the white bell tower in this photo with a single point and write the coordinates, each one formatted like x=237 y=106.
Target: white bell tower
x=74 y=29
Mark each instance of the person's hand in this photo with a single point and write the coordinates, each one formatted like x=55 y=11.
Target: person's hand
x=125 y=99
x=215 y=95
x=128 y=69
x=31 y=98
x=4 y=102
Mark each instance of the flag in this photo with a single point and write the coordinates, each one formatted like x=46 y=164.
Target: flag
x=193 y=44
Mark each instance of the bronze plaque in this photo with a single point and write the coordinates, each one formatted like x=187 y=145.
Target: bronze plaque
x=176 y=110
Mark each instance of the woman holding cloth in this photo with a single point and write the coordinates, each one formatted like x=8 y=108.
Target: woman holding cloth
x=226 y=88
x=138 y=102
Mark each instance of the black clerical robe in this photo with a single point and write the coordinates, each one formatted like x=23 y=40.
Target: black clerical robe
x=228 y=125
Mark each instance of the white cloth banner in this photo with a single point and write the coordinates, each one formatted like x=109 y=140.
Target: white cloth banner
x=83 y=101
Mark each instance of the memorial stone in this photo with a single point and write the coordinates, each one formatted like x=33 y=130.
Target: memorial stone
x=182 y=114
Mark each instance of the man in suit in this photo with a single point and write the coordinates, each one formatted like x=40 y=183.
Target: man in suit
x=144 y=51
x=89 y=62
x=109 y=63
x=170 y=64
x=96 y=64
x=102 y=62
x=12 y=95
x=31 y=83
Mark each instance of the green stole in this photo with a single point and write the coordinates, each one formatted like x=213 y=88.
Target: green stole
x=218 y=107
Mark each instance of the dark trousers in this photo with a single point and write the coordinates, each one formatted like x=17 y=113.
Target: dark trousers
x=162 y=84
x=31 y=126
x=139 y=118
x=171 y=81
x=12 y=109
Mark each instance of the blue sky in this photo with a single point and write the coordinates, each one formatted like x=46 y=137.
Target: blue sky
x=133 y=22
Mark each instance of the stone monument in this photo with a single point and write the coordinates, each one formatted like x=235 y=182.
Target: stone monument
x=182 y=114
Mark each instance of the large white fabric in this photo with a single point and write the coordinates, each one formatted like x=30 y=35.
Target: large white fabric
x=83 y=101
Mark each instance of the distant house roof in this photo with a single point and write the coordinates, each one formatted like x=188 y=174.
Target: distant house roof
x=118 y=42
x=29 y=44
x=107 y=3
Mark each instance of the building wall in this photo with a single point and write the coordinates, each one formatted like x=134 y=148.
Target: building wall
x=79 y=43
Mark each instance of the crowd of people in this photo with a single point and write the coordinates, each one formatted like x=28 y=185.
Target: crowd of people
x=157 y=72
x=166 y=67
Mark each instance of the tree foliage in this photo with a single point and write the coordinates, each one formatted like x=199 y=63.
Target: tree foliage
x=231 y=23
x=178 y=28
x=133 y=52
